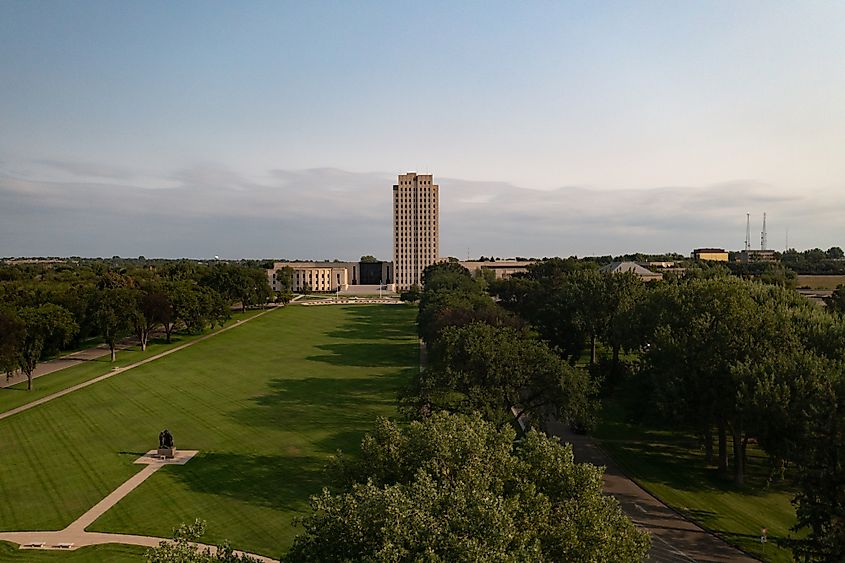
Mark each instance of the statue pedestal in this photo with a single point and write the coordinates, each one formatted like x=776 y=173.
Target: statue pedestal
x=167 y=452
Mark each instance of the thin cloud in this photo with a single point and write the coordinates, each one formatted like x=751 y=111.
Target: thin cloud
x=331 y=213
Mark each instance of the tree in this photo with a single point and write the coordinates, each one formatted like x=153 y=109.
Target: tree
x=456 y=488
x=706 y=327
x=820 y=502
x=836 y=301
x=284 y=297
x=284 y=277
x=114 y=309
x=500 y=372
x=217 y=307
x=238 y=284
x=835 y=253
x=183 y=548
x=190 y=306
x=548 y=297
x=42 y=325
x=11 y=334
x=153 y=309
x=412 y=295
x=369 y=259
x=590 y=295
x=625 y=291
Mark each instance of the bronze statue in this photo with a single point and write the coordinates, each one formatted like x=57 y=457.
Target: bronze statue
x=165 y=440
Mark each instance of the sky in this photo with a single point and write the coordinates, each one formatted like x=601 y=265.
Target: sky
x=276 y=129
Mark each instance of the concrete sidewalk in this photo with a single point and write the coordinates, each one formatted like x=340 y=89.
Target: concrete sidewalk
x=118 y=370
x=673 y=537
x=66 y=361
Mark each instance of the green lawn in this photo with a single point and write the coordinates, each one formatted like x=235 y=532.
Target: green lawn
x=17 y=395
x=265 y=403
x=670 y=465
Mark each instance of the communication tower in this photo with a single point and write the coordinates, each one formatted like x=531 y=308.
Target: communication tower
x=747 y=232
x=763 y=238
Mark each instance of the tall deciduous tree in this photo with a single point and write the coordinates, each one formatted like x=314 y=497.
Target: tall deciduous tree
x=42 y=325
x=820 y=502
x=114 y=309
x=153 y=309
x=500 y=372
x=456 y=488
x=12 y=330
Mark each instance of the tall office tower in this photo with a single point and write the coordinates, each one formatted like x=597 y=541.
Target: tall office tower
x=416 y=228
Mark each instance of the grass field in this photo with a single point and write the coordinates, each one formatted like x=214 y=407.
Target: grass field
x=820 y=282
x=265 y=403
x=670 y=465
x=17 y=395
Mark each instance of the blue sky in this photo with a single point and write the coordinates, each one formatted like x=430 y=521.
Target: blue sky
x=532 y=111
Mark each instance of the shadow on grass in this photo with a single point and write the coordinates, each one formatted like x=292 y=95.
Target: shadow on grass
x=340 y=408
x=675 y=458
x=273 y=481
x=367 y=355
x=375 y=323
x=321 y=403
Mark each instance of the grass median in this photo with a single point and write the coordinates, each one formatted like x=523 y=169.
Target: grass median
x=265 y=403
x=17 y=395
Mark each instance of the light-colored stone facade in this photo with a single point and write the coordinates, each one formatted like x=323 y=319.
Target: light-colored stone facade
x=416 y=227
x=334 y=276
x=317 y=276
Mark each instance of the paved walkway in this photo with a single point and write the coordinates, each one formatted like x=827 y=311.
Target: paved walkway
x=74 y=536
x=673 y=537
x=354 y=301
x=118 y=370
x=66 y=361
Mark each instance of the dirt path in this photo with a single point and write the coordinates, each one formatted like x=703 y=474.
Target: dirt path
x=673 y=537
x=118 y=370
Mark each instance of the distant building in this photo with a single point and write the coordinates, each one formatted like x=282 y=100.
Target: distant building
x=657 y=264
x=757 y=256
x=501 y=268
x=333 y=276
x=633 y=267
x=416 y=227
x=710 y=254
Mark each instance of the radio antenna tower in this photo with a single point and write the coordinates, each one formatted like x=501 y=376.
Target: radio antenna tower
x=763 y=238
x=747 y=232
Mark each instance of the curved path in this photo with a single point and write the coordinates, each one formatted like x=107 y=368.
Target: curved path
x=673 y=537
x=118 y=370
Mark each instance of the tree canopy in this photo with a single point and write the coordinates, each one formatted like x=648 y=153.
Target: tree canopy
x=456 y=488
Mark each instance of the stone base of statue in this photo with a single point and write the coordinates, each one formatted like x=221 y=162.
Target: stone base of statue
x=167 y=452
x=158 y=457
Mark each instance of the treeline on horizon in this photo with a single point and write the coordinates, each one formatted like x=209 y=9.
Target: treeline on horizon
x=788 y=263
x=48 y=308
x=737 y=362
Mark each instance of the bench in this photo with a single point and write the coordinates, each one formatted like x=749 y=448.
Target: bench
x=64 y=545
x=35 y=544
